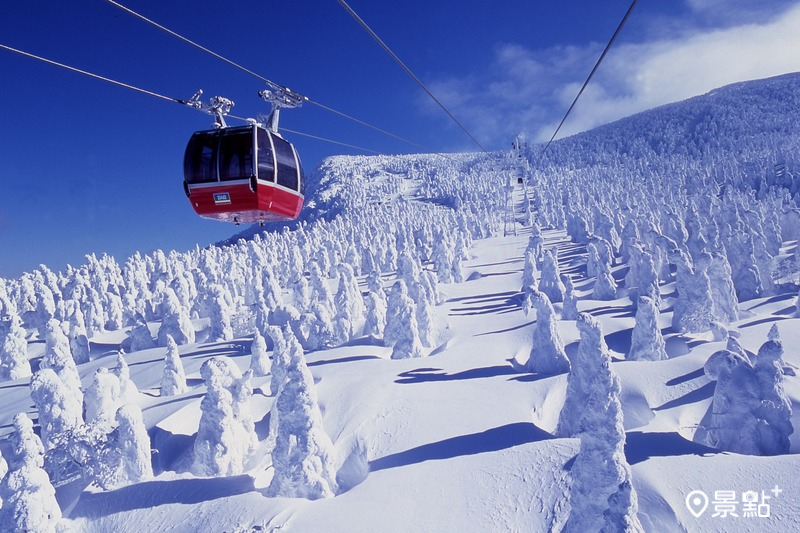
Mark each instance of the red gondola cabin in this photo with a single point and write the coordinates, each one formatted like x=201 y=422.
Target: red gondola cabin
x=243 y=174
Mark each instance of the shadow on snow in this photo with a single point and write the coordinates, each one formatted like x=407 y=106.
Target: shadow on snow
x=686 y=377
x=640 y=446
x=150 y=494
x=426 y=375
x=349 y=359
x=506 y=330
x=703 y=393
x=491 y=440
x=774 y=299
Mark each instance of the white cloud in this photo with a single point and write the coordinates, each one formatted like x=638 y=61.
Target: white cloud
x=528 y=90
x=722 y=11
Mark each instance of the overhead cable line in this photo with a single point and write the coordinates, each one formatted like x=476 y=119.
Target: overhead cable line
x=408 y=70
x=332 y=141
x=317 y=137
x=262 y=78
x=161 y=96
x=92 y=75
x=344 y=115
x=196 y=45
x=594 y=69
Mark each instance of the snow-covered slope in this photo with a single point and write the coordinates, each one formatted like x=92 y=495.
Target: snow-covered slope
x=465 y=438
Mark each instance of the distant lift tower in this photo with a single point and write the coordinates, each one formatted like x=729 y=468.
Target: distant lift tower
x=519 y=172
x=509 y=215
x=519 y=159
x=519 y=146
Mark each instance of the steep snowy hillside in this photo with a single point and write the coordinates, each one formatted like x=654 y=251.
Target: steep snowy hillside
x=745 y=121
x=605 y=340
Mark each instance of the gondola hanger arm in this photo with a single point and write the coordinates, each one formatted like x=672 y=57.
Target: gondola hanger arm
x=279 y=97
x=217 y=107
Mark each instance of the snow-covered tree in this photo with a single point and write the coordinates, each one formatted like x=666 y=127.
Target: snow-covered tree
x=14 y=362
x=45 y=306
x=59 y=410
x=219 y=305
x=102 y=398
x=317 y=327
x=425 y=315
x=588 y=366
x=93 y=312
x=175 y=321
x=776 y=409
x=550 y=280
x=737 y=399
x=674 y=227
x=132 y=446
x=368 y=261
x=301 y=291
x=78 y=337
x=442 y=257
x=353 y=258
x=115 y=309
x=375 y=284
x=547 y=354
x=602 y=496
x=58 y=357
x=129 y=392
x=734 y=346
x=529 y=270
x=457 y=268
x=535 y=245
x=343 y=321
x=605 y=287
x=375 y=320
x=647 y=343
x=320 y=293
x=185 y=289
x=26 y=447
x=272 y=290
x=628 y=240
x=569 y=310
x=623 y=505
x=173 y=380
x=462 y=245
x=750 y=412
x=577 y=227
x=723 y=293
x=694 y=307
x=260 y=363
x=642 y=278
x=302 y=456
x=402 y=332
x=604 y=228
x=323 y=260
x=139 y=337
x=281 y=355
x=226 y=436
x=659 y=247
x=774 y=334
x=28 y=498
x=349 y=284
x=741 y=255
x=764 y=263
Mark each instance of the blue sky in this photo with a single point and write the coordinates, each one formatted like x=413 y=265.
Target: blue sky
x=87 y=167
